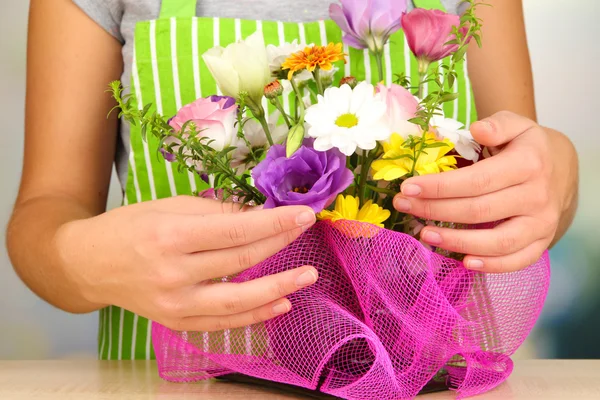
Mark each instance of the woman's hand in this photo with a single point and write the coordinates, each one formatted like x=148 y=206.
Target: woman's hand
x=529 y=183
x=160 y=259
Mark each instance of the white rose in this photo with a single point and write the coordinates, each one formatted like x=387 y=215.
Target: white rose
x=240 y=67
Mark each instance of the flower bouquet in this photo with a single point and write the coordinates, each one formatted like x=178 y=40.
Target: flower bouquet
x=388 y=314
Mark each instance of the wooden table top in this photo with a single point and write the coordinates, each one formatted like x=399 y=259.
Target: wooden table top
x=133 y=380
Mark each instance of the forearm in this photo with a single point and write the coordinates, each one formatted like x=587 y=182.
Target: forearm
x=35 y=255
x=566 y=160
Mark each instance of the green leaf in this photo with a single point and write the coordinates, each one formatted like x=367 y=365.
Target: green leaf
x=459 y=55
x=448 y=97
x=436 y=144
x=399 y=157
x=145 y=109
x=451 y=80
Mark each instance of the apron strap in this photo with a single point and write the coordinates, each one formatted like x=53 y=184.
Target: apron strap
x=430 y=4
x=177 y=8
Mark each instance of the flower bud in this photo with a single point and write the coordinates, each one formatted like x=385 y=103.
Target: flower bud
x=273 y=90
x=350 y=81
x=294 y=140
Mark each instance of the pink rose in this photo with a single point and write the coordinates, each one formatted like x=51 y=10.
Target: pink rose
x=401 y=106
x=213 y=117
x=427 y=31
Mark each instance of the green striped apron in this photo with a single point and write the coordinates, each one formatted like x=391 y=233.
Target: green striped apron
x=168 y=72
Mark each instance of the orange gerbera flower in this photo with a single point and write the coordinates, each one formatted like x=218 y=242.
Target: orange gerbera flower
x=312 y=57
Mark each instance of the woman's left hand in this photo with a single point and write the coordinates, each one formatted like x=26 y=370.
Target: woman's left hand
x=529 y=183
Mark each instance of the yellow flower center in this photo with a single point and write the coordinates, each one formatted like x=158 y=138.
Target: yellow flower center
x=347 y=120
x=302 y=189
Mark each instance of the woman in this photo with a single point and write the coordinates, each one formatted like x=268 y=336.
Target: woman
x=154 y=258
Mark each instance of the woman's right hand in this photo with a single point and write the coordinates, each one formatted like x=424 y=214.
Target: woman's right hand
x=160 y=260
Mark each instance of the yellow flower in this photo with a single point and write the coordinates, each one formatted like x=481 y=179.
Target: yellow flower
x=396 y=162
x=310 y=58
x=348 y=209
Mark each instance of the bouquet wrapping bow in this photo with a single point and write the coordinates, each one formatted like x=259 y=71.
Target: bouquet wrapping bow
x=385 y=316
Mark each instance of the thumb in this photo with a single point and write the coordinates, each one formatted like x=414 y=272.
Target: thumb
x=500 y=129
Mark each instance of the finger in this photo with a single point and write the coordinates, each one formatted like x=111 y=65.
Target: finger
x=506 y=238
x=196 y=205
x=487 y=176
x=219 y=263
x=194 y=233
x=509 y=263
x=227 y=298
x=500 y=128
x=219 y=323
x=471 y=210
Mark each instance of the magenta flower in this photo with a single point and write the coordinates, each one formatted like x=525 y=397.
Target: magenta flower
x=309 y=177
x=368 y=23
x=428 y=31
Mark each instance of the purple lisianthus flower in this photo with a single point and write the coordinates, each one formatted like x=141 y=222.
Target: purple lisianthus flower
x=368 y=23
x=308 y=178
x=229 y=101
x=167 y=156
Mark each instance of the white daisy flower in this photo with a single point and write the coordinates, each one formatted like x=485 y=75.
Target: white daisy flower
x=255 y=135
x=348 y=119
x=463 y=141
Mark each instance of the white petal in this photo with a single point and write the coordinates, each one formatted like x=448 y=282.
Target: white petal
x=223 y=72
x=446 y=123
x=467 y=151
x=362 y=93
x=344 y=143
x=322 y=143
x=253 y=70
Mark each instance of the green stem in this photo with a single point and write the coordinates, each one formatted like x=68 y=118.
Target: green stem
x=382 y=190
x=379 y=59
x=417 y=154
x=393 y=218
x=367 y=159
x=265 y=126
x=259 y=113
x=278 y=105
x=423 y=69
x=295 y=108
x=300 y=102
x=317 y=76
x=363 y=178
x=241 y=133
x=421 y=91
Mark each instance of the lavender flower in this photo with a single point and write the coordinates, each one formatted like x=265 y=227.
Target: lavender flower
x=368 y=23
x=309 y=177
x=229 y=101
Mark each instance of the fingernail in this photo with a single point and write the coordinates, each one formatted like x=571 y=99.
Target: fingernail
x=281 y=308
x=402 y=205
x=307 y=278
x=475 y=264
x=431 y=237
x=306 y=218
x=411 y=190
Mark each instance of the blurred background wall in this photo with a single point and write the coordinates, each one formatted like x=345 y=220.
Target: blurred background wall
x=563 y=37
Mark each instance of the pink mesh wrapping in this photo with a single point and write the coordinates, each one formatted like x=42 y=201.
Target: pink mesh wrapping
x=384 y=317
